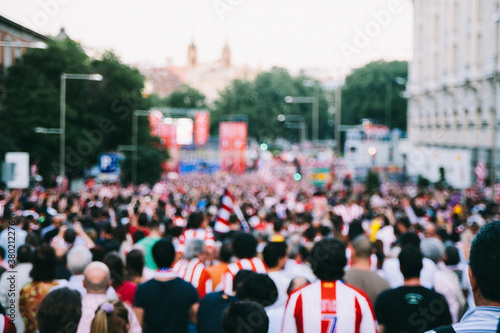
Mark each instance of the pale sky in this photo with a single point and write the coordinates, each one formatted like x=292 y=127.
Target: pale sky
x=336 y=35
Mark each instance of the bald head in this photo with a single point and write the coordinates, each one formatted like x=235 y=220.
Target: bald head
x=97 y=278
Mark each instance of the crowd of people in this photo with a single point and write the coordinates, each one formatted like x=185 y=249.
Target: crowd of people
x=290 y=258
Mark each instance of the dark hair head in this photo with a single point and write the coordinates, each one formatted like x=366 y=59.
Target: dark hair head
x=328 y=259
x=44 y=264
x=226 y=251
x=143 y=219
x=258 y=288
x=240 y=278
x=24 y=253
x=195 y=220
x=154 y=224
x=2 y=252
x=410 y=262
x=244 y=246
x=115 y=265
x=135 y=262
x=70 y=235
x=410 y=239
x=245 y=317
x=452 y=255
x=484 y=260
x=355 y=230
x=273 y=252
x=163 y=253
x=138 y=235
x=60 y=311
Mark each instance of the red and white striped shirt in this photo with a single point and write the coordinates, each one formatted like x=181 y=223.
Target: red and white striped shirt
x=194 y=272
x=254 y=264
x=202 y=234
x=328 y=307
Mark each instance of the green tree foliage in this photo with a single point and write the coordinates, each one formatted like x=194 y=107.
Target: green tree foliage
x=261 y=101
x=374 y=91
x=98 y=114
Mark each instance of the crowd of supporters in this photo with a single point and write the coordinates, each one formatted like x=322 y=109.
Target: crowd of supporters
x=293 y=259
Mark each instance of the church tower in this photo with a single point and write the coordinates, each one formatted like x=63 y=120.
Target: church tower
x=192 y=55
x=226 y=56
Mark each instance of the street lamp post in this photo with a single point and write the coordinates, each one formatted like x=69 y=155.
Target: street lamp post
x=62 y=143
x=314 y=102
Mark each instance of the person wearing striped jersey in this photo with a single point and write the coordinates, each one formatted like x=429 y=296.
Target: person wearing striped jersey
x=196 y=228
x=245 y=249
x=329 y=305
x=192 y=269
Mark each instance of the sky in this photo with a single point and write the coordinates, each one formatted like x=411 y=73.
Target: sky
x=332 y=35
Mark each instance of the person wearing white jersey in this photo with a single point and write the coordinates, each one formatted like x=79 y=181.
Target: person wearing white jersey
x=245 y=249
x=328 y=305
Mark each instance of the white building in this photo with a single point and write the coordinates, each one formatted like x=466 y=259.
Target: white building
x=453 y=85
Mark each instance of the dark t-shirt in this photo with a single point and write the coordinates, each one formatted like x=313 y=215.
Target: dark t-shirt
x=411 y=309
x=166 y=304
x=210 y=312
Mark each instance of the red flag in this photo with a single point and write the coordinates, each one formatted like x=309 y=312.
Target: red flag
x=225 y=210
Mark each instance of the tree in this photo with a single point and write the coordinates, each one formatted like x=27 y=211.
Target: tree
x=98 y=114
x=372 y=182
x=374 y=91
x=261 y=101
x=185 y=97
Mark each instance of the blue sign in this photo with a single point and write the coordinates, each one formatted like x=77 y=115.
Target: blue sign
x=108 y=163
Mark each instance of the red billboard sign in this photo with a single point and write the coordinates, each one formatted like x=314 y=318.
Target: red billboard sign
x=233 y=145
x=201 y=127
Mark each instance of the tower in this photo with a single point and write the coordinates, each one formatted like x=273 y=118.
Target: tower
x=192 y=55
x=226 y=56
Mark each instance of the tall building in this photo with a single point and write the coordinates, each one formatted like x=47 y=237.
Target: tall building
x=453 y=89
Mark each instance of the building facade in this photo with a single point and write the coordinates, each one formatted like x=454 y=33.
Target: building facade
x=453 y=89
x=14 y=40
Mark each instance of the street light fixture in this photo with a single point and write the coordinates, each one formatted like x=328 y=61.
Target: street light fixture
x=314 y=102
x=64 y=77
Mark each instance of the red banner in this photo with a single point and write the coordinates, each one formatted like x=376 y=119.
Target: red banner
x=168 y=134
x=201 y=127
x=233 y=146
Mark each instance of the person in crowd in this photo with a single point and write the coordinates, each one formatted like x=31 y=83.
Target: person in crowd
x=245 y=249
x=392 y=273
x=212 y=306
x=446 y=282
x=148 y=242
x=360 y=275
x=60 y=311
x=15 y=230
x=110 y=317
x=78 y=258
x=165 y=303
x=217 y=269
x=196 y=228
x=97 y=280
x=245 y=317
x=484 y=272
x=411 y=307
x=328 y=301
x=124 y=289
x=135 y=270
x=275 y=257
x=192 y=268
x=10 y=298
x=43 y=275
